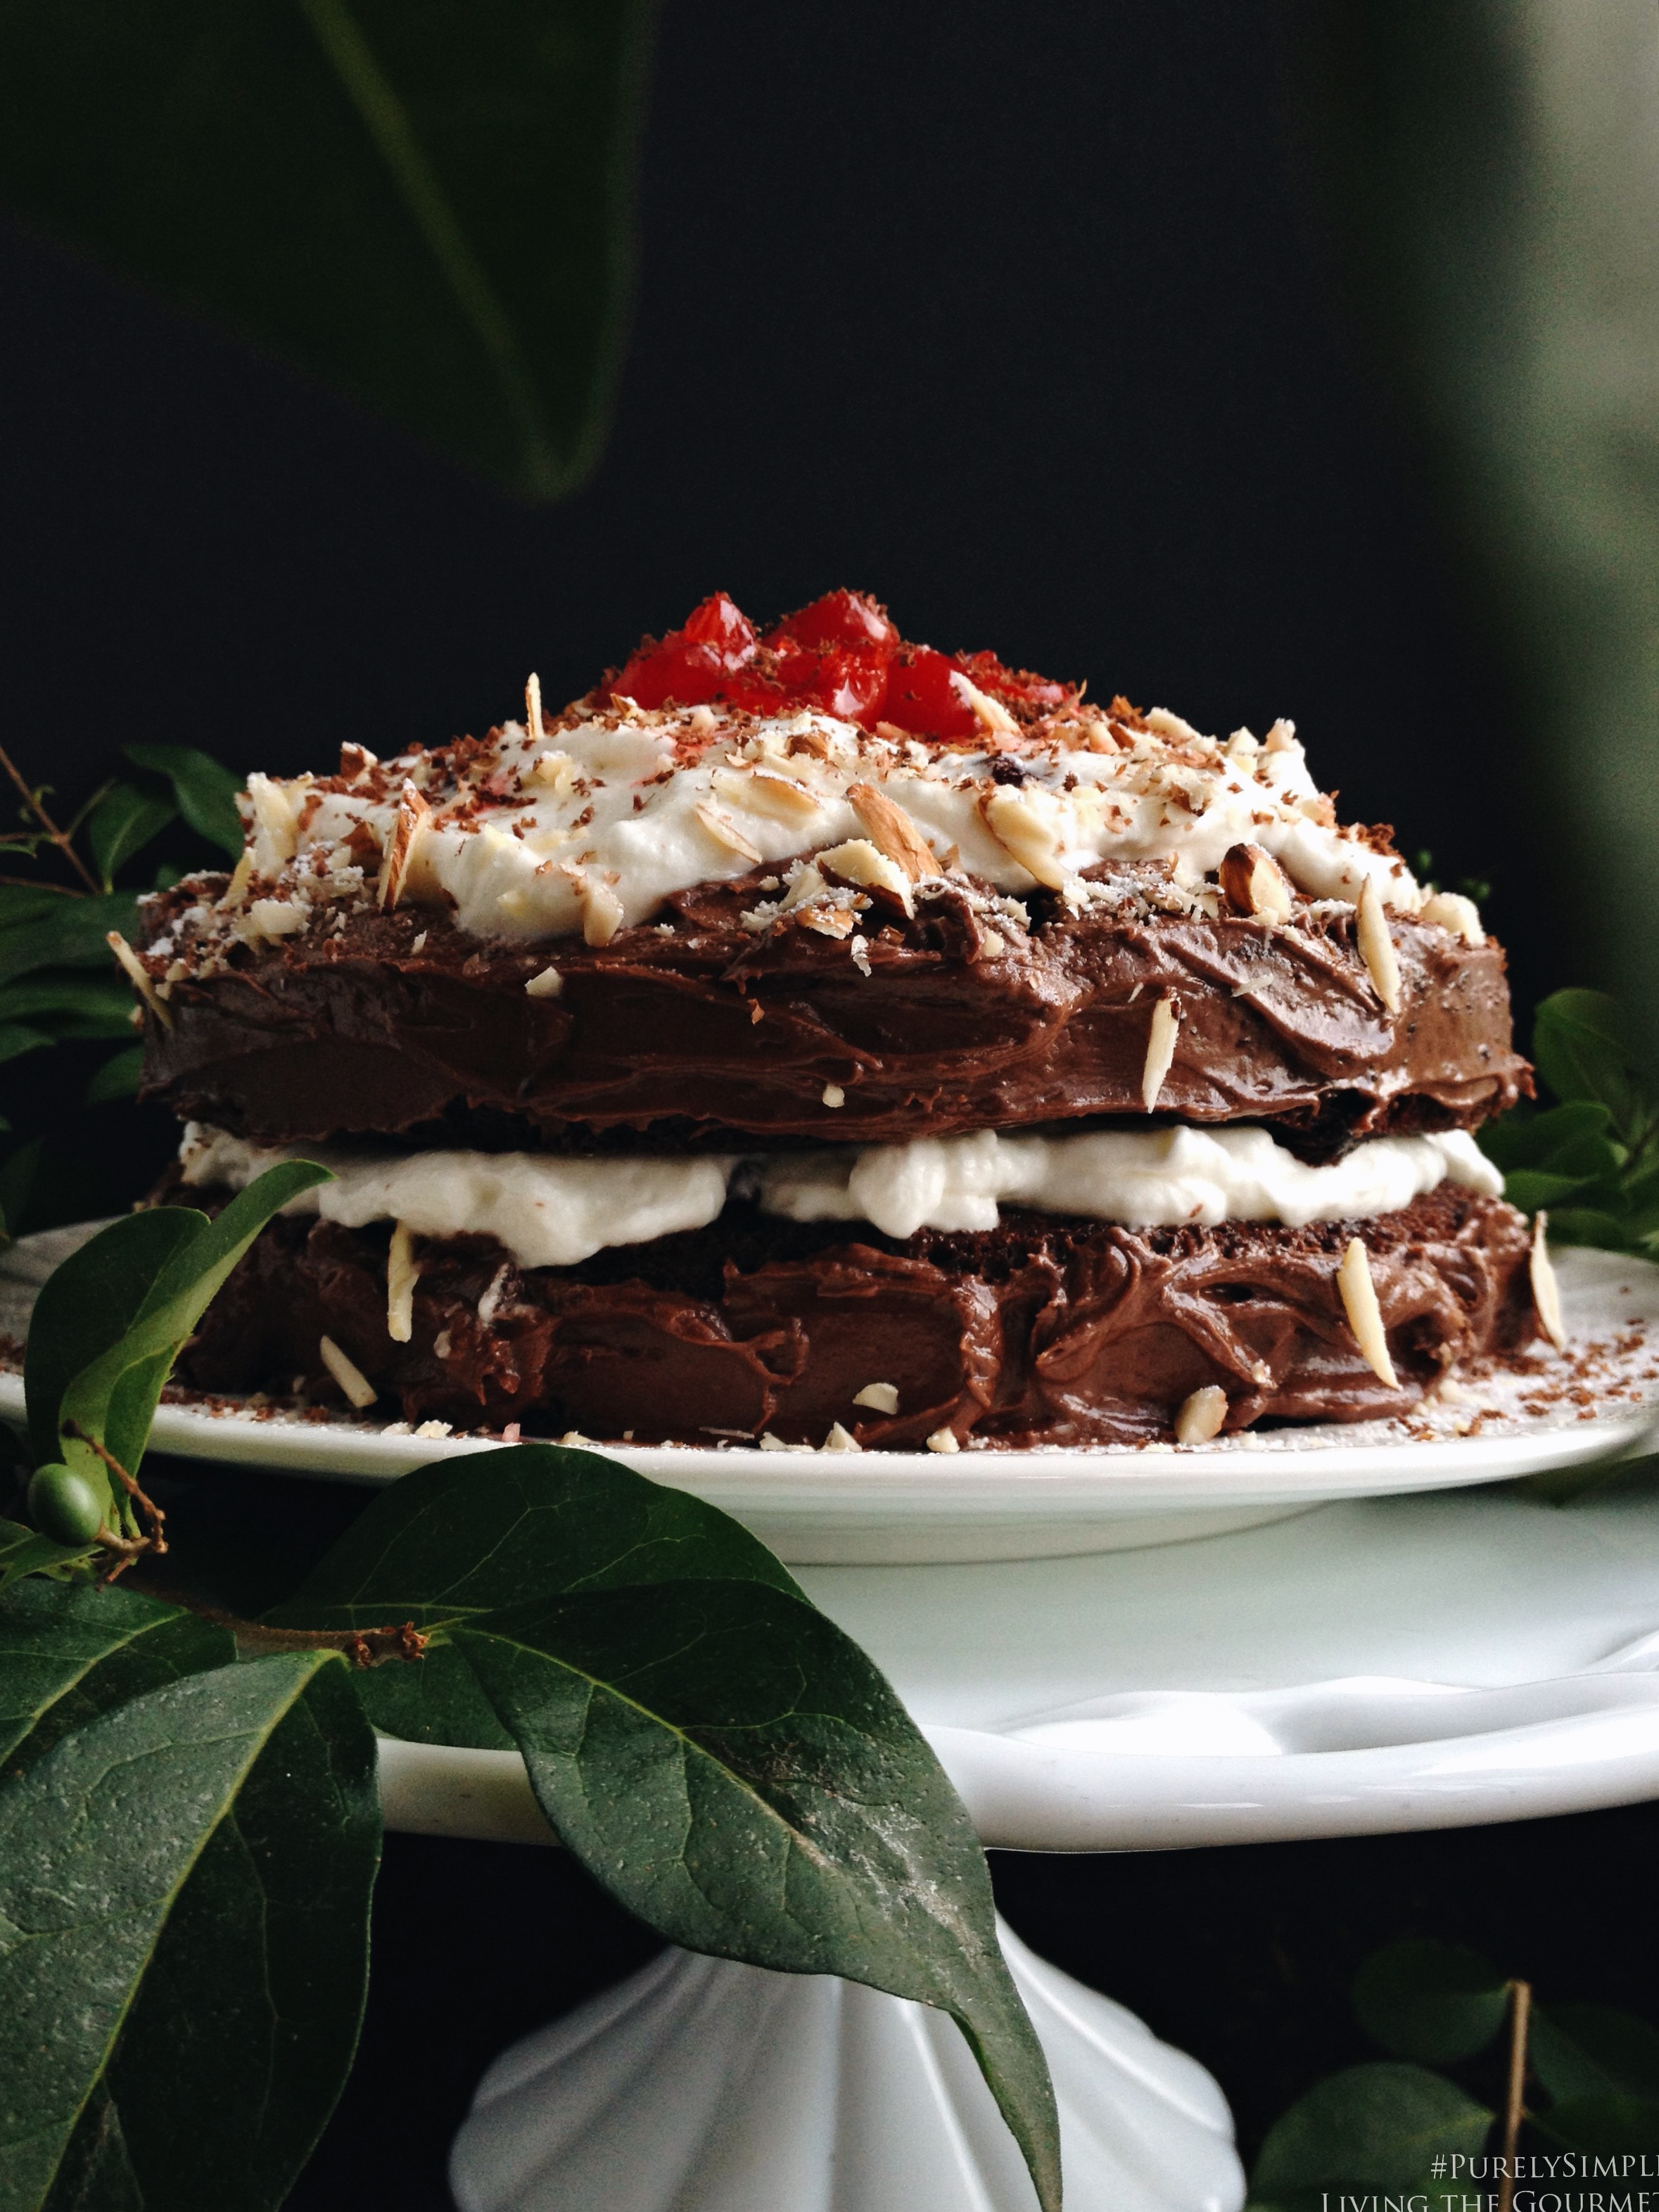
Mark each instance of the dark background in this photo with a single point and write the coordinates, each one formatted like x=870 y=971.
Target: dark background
x=1027 y=321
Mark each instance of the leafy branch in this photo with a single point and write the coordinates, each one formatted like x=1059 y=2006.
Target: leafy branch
x=1572 y=2077
x=1592 y=1160
x=183 y=1955
x=57 y=981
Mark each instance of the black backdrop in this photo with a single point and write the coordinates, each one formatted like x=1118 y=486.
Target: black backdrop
x=1025 y=320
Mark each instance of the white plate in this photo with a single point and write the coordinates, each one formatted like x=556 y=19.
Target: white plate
x=875 y=1507
x=1394 y=1663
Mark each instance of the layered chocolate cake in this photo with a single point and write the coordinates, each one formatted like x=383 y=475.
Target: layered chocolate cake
x=817 y=1040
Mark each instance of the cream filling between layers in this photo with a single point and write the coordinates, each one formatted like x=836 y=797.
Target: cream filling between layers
x=552 y=1211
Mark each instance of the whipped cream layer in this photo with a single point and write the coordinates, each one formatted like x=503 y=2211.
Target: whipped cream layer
x=553 y=1212
x=589 y=823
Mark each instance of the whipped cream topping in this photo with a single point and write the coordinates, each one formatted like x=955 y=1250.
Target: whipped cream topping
x=552 y=1211
x=591 y=822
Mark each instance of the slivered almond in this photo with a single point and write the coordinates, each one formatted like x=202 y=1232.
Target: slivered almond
x=829 y=921
x=533 y=705
x=1160 y=1050
x=602 y=913
x=725 y=832
x=1377 y=947
x=879 y=1397
x=1255 y=883
x=241 y=877
x=779 y=795
x=893 y=832
x=1353 y=1279
x=1546 y=1291
x=860 y=862
x=139 y=976
x=1022 y=834
x=1452 y=911
x=359 y=1390
x=840 y=1440
x=944 y=1440
x=1202 y=1415
x=401 y=1274
x=546 y=984
x=991 y=715
x=413 y=815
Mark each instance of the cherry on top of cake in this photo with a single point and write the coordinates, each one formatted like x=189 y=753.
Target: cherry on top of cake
x=840 y=655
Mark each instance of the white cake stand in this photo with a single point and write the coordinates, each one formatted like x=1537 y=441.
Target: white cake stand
x=1398 y=1663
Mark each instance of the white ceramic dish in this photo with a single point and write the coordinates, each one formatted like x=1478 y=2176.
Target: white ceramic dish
x=861 y=1507
x=1388 y=1664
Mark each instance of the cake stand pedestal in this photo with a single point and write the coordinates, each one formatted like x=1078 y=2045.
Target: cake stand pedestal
x=699 y=2086
x=1400 y=1663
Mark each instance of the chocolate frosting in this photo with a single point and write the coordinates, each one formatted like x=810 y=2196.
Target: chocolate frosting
x=695 y=1028
x=1044 y=1331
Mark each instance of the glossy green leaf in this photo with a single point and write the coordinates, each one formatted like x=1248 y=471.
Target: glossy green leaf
x=428 y=208
x=1569 y=1139
x=77 y=1003
x=125 y=819
x=1436 y=2002
x=1371 y=2128
x=70 y=933
x=109 y=1323
x=1581 y=1051
x=184 y=1896
x=1531 y=1187
x=1583 y=1224
x=117 y=1078
x=728 y=1763
x=204 y=790
x=68 y=1653
x=1605 y=2124
x=1580 y=2050
x=460 y=1537
x=18 y=1037
x=87 y=1304
x=22 y=1551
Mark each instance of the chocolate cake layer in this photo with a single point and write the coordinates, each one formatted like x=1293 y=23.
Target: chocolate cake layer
x=1044 y=1331
x=686 y=1029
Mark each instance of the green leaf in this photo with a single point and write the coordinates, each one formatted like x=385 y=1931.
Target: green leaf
x=16 y=1039
x=728 y=1763
x=428 y=208
x=184 y=1896
x=205 y=789
x=109 y=1323
x=1371 y=2128
x=1580 y=1046
x=1580 y=2050
x=461 y=1538
x=88 y=1304
x=1583 y=1225
x=122 y=822
x=1531 y=1187
x=117 y=1078
x=99 y=1005
x=1436 y=2002
x=24 y=1553
x=1559 y=1139
x=1603 y=2123
x=69 y=1653
x=72 y=932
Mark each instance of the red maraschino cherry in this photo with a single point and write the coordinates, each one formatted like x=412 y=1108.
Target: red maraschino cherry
x=840 y=655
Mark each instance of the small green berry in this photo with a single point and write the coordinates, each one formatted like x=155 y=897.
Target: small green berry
x=65 y=1505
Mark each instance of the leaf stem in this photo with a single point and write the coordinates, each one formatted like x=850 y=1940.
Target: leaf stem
x=155 y=1536
x=1514 y=2109
x=37 y=807
x=363 y=1647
